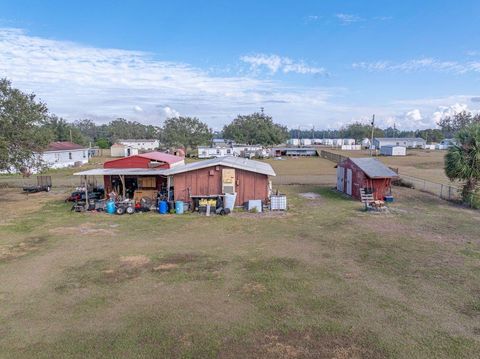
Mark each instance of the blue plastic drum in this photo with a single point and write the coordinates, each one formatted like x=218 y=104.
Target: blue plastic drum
x=179 y=207
x=110 y=207
x=163 y=207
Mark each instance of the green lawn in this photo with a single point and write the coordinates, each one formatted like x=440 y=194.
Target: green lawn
x=323 y=280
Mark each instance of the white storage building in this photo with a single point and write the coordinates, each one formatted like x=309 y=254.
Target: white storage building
x=393 y=151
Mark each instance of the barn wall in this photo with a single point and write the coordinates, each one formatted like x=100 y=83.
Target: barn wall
x=208 y=181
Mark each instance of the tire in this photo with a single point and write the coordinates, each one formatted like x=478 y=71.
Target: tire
x=120 y=210
x=130 y=210
x=222 y=212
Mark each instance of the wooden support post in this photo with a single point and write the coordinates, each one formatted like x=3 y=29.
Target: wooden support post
x=122 y=178
x=168 y=188
x=86 y=192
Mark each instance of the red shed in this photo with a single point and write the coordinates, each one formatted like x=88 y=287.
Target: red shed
x=146 y=160
x=356 y=173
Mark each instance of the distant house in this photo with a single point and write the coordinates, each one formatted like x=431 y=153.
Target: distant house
x=354 y=174
x=231 y=149
x=141 y=144
x=64 y=154
x=393 y=150
x=408 y=142
x=446 y=144
x=293 y=142
x=295 y=151
x=212 y=152
x=121 y=150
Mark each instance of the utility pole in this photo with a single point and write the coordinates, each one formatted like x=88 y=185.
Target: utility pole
x=371 y=139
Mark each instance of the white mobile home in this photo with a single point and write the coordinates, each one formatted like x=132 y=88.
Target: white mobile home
x=293 y=142
x=393 y=151
x=408 y=142
x=141 y=144
x=64 y=154
x=119 y=150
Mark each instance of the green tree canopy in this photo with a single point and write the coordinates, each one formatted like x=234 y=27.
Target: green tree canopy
x=64 y=131
x=21 y=132
x=256 y=129
x=452 y=124
x=462 y=163
x=123 y=129
x=359 y=131
x=187 y=132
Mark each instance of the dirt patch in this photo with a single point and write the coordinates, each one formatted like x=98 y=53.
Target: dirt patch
x=253 y=289
x=133 y=262
x=84 y=230
x=166 y=266
x=15 y=203
x=310 y=195
x=306 y=344
x=21 y=249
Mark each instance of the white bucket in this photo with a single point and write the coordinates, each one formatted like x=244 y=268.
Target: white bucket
x=229 y=200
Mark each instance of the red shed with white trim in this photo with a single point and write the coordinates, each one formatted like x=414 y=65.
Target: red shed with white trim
x=356 y=173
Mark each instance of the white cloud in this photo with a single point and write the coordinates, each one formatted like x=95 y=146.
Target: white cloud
x=277 y=63
x=422 y=64
x=347 y=19
x=449 y=111
x=169 y=112
x=78 y=81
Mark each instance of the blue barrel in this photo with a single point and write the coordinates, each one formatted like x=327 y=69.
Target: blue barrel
x=163 y=207
x=179 y=207
x=110 y=207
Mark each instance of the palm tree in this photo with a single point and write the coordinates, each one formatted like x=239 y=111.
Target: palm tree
x=462 y=163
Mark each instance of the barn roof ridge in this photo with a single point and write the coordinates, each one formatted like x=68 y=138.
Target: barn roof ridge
x=230 y=161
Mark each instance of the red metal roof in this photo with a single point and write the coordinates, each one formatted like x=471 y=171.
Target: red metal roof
x=63 y=146
x=161 y=157
x=143 y=160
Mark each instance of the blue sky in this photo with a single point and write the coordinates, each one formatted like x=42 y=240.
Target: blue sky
x=308 y=63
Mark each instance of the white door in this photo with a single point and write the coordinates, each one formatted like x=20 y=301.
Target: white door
x=349 y=181
x=340 y=178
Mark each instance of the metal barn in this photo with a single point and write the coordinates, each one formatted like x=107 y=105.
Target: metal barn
x=177 y=181
x=354 y=174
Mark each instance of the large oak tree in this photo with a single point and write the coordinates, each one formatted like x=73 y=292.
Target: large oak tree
x=21 y=131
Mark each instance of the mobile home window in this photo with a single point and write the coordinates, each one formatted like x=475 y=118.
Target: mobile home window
x=84 y=155
x=70 y=155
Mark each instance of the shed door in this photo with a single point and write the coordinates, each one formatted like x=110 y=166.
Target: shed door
x=349 y=181
x=340 y=178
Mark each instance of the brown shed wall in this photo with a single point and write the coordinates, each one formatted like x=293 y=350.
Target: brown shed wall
x=208 y=181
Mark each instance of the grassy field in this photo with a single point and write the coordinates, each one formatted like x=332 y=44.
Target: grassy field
x=324 y=280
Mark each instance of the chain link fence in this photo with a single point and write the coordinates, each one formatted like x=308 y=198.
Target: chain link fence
x=442 y=190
